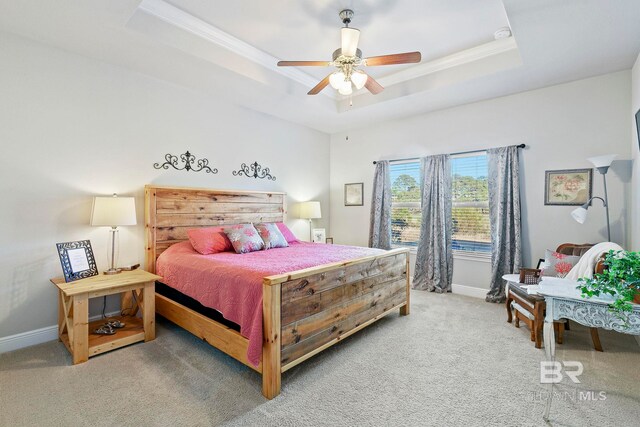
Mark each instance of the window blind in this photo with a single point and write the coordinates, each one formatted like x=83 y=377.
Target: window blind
x=470 y=204
x=405 y=203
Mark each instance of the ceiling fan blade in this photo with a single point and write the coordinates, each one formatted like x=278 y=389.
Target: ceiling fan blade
x=317 y=88
x=303 y=63
x=397 y=58
x=373 y=86
x=349 y=37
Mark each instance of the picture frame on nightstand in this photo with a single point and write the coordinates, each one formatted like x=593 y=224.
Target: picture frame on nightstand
x=77 y=260
x=319 y=235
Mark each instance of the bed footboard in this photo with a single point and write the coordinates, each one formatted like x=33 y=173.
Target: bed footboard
x=307 y=311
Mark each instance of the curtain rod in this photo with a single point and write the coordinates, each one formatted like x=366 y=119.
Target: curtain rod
x=452 y=154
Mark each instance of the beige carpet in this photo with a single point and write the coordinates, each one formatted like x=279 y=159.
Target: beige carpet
x=453 y=361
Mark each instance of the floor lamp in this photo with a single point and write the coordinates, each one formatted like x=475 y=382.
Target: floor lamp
x=601 y=163
x=310 y=210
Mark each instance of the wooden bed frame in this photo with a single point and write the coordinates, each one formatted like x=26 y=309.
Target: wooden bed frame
x=305 y=311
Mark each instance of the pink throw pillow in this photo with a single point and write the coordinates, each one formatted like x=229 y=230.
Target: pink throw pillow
x=288 y=235
x=209 y=240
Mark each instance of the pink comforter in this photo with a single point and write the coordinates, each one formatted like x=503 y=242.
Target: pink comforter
x=232 y=283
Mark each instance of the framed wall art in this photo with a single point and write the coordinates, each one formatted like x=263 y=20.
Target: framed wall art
x=77 y=260
x=570 y=187
x=353 y=194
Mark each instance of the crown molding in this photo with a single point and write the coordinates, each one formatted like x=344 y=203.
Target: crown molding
x=187 y=22
x=178 y=18
x=459 y=58
x=465 y=57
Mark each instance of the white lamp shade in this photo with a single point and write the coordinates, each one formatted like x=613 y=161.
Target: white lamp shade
x=345 y=89
x=579 y=214
x=603 y=161
x=310 y=210
x=350 y=38
x=336 y=80
x=113 y=211
x=359 y=79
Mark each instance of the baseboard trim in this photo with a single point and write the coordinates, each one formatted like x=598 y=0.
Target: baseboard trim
x=469 y=291
x=37 y=336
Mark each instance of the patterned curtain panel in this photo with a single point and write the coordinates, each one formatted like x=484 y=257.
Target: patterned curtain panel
x=504 y=215
x=380 y=225
x=434 y=263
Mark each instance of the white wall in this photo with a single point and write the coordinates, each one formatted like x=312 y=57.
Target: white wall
x=634 y=241
x=561 y=125
x=73 y=127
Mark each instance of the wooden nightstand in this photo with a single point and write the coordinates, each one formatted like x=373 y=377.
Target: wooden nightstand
x=74 y=328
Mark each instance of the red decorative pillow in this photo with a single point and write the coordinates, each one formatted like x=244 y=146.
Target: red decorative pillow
x=209 y=240
x=244 y=238
x=288 y=235
x=557 y=264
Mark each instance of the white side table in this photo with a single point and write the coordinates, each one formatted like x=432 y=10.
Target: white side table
x=565 y=302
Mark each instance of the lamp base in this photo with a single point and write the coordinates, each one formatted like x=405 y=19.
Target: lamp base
x=112 y=271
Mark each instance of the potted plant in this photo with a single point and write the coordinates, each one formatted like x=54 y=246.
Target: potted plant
x=620 y=279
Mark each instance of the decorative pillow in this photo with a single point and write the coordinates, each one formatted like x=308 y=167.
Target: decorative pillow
x=288 y=235
x=271 y=235
x=244 y=238
x=558 y=265
x=209 y=240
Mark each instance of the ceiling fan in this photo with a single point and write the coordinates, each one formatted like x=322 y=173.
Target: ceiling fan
x=347 y=59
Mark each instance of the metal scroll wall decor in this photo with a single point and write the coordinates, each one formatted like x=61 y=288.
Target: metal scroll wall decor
x=188 y=159
x=254 y=170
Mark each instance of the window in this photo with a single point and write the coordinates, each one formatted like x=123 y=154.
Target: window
x=470 y=204
x=405 y=203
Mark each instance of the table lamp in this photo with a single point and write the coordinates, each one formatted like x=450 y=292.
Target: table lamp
x=310 y=210
x=113 y=212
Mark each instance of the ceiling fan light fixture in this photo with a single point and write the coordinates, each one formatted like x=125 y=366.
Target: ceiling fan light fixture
x=336 y=80
x=349 y=37
x=359 y=79
x=347 y=58
x=345 y=89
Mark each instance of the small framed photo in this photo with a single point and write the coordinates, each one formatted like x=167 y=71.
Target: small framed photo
x=329 y=241
x=569 y=187
x=319 y=235
x=353 y=194
x=77 y=260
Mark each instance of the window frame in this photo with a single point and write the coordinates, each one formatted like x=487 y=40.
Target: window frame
x=457 y=253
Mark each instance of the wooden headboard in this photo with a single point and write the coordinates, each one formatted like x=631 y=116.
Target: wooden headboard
x=170 y=211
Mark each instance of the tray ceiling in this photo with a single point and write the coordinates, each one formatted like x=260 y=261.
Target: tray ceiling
x=226 y=48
